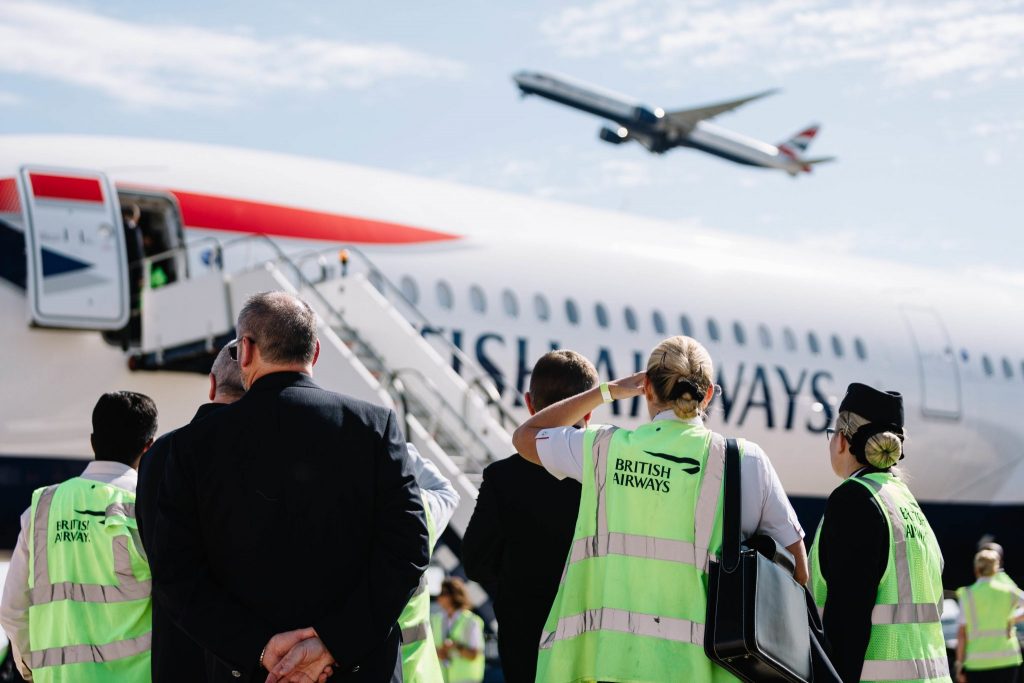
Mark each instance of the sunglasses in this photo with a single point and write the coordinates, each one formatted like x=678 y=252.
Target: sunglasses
x=232 y=346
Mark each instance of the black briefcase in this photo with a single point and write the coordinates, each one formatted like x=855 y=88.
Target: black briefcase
x=757 y=621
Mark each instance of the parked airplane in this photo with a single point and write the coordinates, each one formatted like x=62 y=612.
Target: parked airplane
x=503 y=278
x=659 y=130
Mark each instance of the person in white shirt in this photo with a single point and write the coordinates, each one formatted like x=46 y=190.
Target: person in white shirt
x=441 y=496
x=124 y=424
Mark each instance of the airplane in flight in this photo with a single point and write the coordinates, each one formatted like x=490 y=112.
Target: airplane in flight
x=658 y=130
x=451 y=293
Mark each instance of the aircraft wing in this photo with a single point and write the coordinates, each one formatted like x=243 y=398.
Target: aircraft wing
x=686 y=119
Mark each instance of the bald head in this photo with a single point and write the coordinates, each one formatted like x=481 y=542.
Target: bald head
x=225 y=379
x=282 y=327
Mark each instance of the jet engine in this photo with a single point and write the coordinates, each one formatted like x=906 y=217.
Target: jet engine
x=616 y=137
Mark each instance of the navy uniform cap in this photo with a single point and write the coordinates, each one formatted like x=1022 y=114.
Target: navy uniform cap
x=877 y=407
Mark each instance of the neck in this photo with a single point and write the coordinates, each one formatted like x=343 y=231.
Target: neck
x=267 y=369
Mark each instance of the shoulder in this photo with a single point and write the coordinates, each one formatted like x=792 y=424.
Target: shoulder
x=854 y=501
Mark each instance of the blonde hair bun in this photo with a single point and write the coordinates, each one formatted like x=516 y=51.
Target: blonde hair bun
x=986 y=562
x=883 y=450
x=678 y=368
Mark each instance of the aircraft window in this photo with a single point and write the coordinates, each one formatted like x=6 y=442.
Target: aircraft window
x=812 y=342
x=788 y=339
x=739 y=333
x=572 y=312
x=712 y=329
x=444 y=294
x=658 y=320
x=601 y=313
x=409 y=289
x=630 y=316
x=686 y=325
x=860 y=349
x=1007 y=368
x=986 y=363
x=837 y=346
x=541 y=308
x=511 y=304
x=477 y=299
x=765 y=335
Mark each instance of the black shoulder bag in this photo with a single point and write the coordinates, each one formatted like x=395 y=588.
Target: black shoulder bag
x=757 y=622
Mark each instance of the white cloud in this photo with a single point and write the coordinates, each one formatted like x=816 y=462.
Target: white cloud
x=9 y=99
x=908 y=42
x=1009 y=129
x=182 y=66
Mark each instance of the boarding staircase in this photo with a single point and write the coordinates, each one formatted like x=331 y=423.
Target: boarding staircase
x=371 y=345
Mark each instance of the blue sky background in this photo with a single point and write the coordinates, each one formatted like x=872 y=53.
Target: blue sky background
x=923 y=102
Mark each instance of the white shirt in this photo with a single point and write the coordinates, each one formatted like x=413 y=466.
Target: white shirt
x=765 y=507
x=442 y=498
x=474 y=636
x=17 y=597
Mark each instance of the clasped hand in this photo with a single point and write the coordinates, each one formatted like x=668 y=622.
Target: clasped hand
x=297 y=657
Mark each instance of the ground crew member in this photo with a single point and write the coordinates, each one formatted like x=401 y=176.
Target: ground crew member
x=634 y=598
x=458 y=635
x=76 y=604
x=419 y=657
x=987 y=648
x=876 y=568
x=1000 y=576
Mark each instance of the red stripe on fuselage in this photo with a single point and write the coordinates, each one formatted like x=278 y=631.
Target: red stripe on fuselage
x=45 y=186
x=9 y=202
x=242 y=215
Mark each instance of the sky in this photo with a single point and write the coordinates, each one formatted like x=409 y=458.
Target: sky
x=922 y=103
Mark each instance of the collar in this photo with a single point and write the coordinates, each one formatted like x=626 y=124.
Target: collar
x=669 y=415
x=275 y=381
x=208 y=408
x=109 y=468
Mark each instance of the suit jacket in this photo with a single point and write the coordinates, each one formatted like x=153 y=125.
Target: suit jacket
x=175 y=656
x=293 y=507
x=516 y=545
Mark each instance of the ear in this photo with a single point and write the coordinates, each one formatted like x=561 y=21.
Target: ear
x=246 y=353
x=213 y=386
x=710 y=394
x=649 y=390
x=586 y=419
x=529 y=403
x=316 y=353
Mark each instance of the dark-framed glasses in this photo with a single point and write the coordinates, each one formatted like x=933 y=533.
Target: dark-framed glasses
x=232 y=346
x=829 y=433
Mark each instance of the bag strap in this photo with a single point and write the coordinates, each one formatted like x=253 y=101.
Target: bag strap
x=731 y=508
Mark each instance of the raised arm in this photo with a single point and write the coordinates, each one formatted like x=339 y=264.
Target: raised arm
x=570 y=411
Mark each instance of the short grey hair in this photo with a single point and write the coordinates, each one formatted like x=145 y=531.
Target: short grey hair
x=228 y=375
x=283 y=327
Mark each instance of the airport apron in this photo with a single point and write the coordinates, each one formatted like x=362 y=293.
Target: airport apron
x=90 y=617
x=632 y=601
x=458 y=669
x=419 y=657
x=991 y=641
x=906 y=642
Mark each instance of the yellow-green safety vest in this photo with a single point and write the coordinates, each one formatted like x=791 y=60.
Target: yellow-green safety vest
x=906 y=641
x=631 y=605
x=458 y=669
x=90 y=616
x=991 y=640
x=419 y=657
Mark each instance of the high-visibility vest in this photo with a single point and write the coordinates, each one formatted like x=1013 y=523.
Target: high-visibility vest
x=906 y=642
x=90 y=616
x=991 y=640
x=458 y=669
x=419 y=657
x=631 y=605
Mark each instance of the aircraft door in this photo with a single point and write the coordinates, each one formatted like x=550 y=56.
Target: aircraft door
x=75 y=247
x=936 y=361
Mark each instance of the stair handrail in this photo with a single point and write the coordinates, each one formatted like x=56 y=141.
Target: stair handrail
x=481 y=378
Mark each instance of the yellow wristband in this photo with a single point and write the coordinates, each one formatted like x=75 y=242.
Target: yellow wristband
x=606 y=393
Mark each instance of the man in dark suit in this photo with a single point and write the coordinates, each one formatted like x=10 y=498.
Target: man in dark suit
x=176 y=657
x=519 y=536
x=290 y=530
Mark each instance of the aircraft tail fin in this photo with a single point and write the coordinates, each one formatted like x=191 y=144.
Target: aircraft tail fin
x=795 y=146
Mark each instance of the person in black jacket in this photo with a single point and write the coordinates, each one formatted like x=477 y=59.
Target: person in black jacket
x=290 y=530
x=175 y=657
x=520 y=532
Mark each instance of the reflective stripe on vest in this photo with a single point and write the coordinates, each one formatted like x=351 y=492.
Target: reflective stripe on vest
x=906 y=611
x=623 y=621
x=904 y=669
x=43 y=592
x=651 y=547
x=415 y=633
x=78 y=654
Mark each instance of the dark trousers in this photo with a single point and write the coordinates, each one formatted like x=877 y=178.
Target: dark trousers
x=1004 y=675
